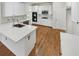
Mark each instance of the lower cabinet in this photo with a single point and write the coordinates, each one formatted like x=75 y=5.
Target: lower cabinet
x=22 y=47
x=31 y=42
x=0 y=37
x=46 y=22
x=75 y=28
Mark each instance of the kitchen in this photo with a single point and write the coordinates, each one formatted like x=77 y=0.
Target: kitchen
x=25 y=26
x=15 y=34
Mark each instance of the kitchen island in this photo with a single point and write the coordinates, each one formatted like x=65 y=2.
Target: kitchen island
x=19 y=40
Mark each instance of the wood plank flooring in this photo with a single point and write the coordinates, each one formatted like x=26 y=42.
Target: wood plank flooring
x=47 y=43
x=4 y=51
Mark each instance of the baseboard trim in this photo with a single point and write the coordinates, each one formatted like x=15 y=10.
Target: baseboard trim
x=42 y=25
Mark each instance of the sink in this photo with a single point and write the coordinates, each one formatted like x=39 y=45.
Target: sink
x=18 y=25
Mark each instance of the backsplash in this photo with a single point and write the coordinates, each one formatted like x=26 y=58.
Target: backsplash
x=13 y=19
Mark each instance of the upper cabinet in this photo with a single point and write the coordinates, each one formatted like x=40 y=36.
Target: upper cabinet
x=59 y=15
x=75 y=11
x=68 y=5
x=13 y=9
x=19 y=9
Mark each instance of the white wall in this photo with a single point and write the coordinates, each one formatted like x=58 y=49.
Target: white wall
x=59 y=15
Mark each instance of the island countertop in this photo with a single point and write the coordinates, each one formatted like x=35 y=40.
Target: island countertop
x=15 y=33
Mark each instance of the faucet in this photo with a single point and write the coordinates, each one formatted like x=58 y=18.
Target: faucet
x=13 y=20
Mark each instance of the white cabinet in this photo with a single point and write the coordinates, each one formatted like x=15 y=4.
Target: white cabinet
x=75 y=18
x=12 y=9
x=43 y=7
x=28 y=9
x=7 y=9
x=18 y=48
x=19 y=9
x=48 y=21
x=75 y=11
x=0 y=37
x=35 y=8
x=0 y=12
x=75 y=28
x=31 y=42
x=22 y=47
x=59 y=15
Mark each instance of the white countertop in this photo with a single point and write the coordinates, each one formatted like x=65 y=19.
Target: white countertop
x=69 y=44
x=15 y=33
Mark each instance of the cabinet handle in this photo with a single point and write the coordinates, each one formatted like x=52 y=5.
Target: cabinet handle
x=6 y=38
x=77 y=22
x=29 y=37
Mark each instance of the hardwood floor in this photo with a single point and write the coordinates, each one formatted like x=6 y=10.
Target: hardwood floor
x=4 y=51
x=47 y=43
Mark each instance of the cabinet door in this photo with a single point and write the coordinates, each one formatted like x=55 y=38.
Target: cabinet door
x=13 y=9
x=75 y=28
x=18 y=48
x=28 y=10
x=59 y=15
x=7 y=9
x=0 y=12
x=31 y=42
x=19 y=9
x=32 y=38
x=21 y=47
